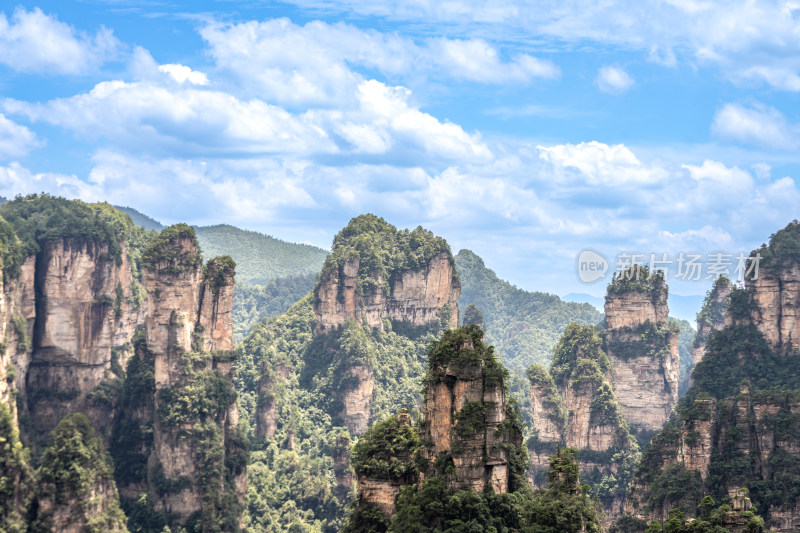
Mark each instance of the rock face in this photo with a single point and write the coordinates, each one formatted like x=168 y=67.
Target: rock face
x=84 y=309
x=739 y=424
x=643 y=349
x=406 y=278
x=776 y=298
x=573 y=405
x=464 y=413
x=415 y=297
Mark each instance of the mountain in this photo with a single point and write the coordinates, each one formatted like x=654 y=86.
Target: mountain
x=349 y=354
x=737 y=430
x=140 y=219
x=260 y=258
x=523 y=326
x=118 y=346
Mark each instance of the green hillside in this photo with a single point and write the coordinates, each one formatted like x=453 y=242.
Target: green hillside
x=259 y=258
x=523 y=326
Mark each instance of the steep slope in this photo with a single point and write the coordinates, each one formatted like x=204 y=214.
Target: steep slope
x=461 y=467
x=738 y=426
x=85 y=295
x=349 y=354
x=574 y=405
x=260 y=258
x=140 y=219
x=523 y=326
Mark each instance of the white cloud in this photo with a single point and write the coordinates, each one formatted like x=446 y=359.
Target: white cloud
x=747 y=40
x=145 y=116
x=477 y=60
x=35 y=42
x=757 y=125
x=15 y=140
x=597 y=163
x=320 y=64
x=182 y=74
x=615 y=80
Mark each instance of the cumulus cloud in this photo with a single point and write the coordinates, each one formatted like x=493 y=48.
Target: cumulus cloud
x=15 y=140
x=145 y=116
x=182 y=74
x=597 y=163
x=32 y=41
x=320 y=64
x=186 y=120
x=477 y=60
x=757 y=125
x=614 y=80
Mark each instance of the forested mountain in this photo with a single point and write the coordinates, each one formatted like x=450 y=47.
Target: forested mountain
x=523 y=326
x=347 y=355
x=260 y=258
x=737 y=430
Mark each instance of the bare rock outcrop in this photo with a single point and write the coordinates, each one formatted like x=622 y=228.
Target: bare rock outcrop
x=574 y=405
x=464 y=413
x=643 y=349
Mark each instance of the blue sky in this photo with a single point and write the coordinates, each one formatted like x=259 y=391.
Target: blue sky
x=526 y=131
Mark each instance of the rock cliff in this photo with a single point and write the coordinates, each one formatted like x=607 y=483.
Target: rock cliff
x=643 y=349
x=739 y=424
x=193 y=464
x=129 y=331
x=376 y=272
x=711 y=317
x=469 y=437
x=574 y=405
x=378 y=277
x=465 y=412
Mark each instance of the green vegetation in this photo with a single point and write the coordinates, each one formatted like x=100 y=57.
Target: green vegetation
x=165 y=254
x=303 y=376
x=523 y=326
x=30 y=222
x=783 y=250
x=639 y=279
x=15 y=475
x=76 y=476
x=252 y=304
x=218 y=269
x=710 y=519
x=260 y=258
x=382 y=251
x=579 y=362
x=387 y=451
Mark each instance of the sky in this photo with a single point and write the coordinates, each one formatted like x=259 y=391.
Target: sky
x=527 y=132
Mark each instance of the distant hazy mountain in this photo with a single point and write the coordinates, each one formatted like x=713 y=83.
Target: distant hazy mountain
x=140 y=219
x=682 y=307
x=260 y=258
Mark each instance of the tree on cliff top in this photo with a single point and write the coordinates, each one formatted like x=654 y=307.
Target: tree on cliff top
x=638 y=278
x=38 y=219
x=383 y=250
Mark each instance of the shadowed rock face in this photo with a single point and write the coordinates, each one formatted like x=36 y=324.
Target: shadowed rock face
x=75 y=305
x=465 y=408
x=416 y=297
